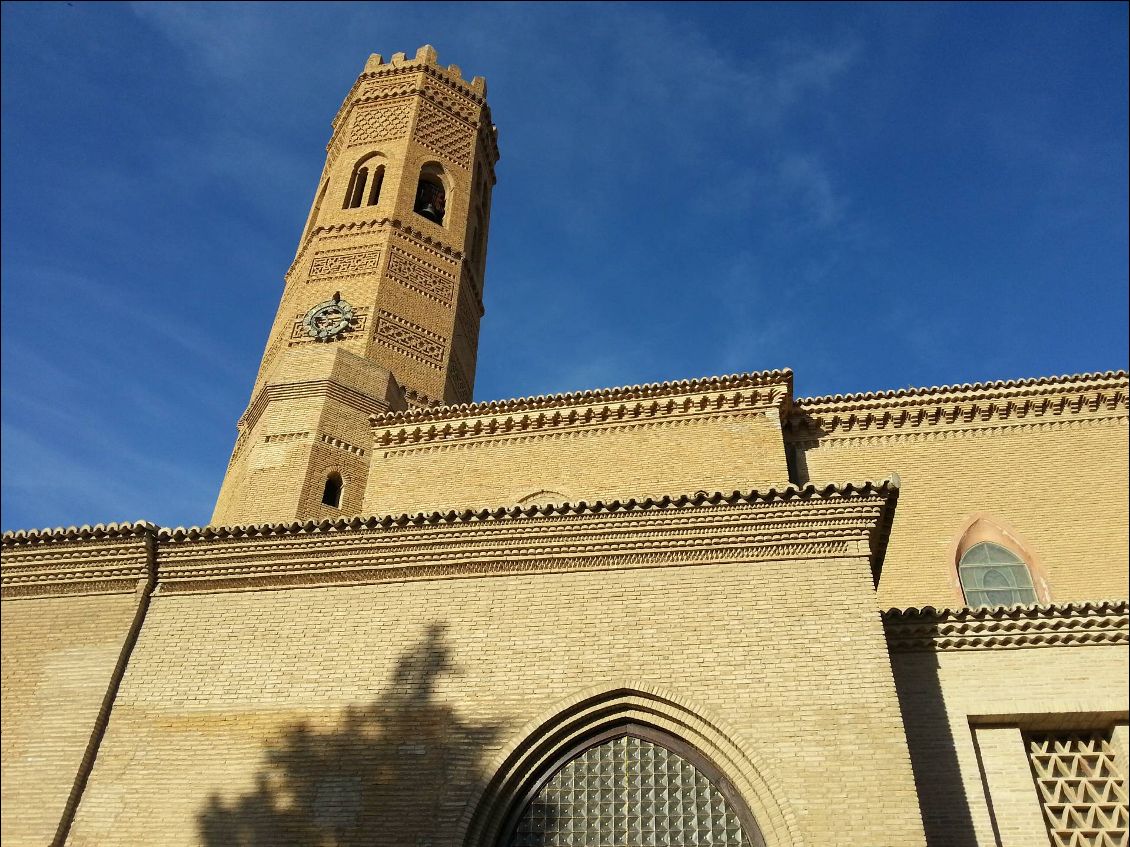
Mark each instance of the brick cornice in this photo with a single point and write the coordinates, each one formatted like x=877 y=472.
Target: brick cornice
x=992 y=405
x=101 y=559
x=741 y=527
x=768 y=392
x=1007 y=627
x=807 y=523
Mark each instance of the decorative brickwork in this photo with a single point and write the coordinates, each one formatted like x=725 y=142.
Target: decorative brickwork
x=101 y=559
x=421 y=276
x=341 y=445
x=957 y=408
x=1082 y=791
x=447 y=96
x=411 y=340
x=388 y=88
x=449 y=137
x=331 y=264
x=380 y=123
x=1008 y=627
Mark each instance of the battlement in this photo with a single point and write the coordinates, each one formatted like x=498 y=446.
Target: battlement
x=426 y=55
x=381 y=80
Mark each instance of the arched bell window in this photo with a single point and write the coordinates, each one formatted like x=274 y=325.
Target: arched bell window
x=634 y=791
x=365 y=183
x=992 y=575
x=431 y=195
x=331 y=494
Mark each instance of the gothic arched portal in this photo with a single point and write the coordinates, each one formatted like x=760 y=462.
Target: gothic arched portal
x=633 y=787
x=650 y=768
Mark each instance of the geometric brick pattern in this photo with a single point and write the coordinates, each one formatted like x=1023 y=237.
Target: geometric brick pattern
x=410 y=339
x=344 y=264
x=450 y=99
x=420 y=275
x=446 y=136
x=1082 y=793
x=381 y=123
x=631 y=793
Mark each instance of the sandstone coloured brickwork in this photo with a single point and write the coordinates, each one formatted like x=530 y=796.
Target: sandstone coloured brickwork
x=503 y=583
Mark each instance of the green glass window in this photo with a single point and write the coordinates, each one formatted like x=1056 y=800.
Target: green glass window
x=992 y=575
x=629 y=792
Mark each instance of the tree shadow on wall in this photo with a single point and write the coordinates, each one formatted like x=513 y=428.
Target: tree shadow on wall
x=396 y=772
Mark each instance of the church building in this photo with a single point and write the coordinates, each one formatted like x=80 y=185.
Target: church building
x=703 y=612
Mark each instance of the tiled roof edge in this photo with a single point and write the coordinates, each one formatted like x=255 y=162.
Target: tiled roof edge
x=948 y=391
x=884 y=488
x=927 y=614
x=80 y=533
x=597 y=395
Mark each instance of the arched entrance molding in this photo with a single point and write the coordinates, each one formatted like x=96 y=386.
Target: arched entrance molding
x=599 y=711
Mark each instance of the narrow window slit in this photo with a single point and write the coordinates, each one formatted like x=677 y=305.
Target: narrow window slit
x=331 y=495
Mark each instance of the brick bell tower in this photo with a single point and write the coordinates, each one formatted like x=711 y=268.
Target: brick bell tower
x=381 y=307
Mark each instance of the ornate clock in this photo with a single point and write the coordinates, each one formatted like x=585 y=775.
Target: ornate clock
x=328 y=319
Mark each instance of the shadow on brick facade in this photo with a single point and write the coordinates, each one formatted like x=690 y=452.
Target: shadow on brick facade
x=396 y=772
x=946 y=815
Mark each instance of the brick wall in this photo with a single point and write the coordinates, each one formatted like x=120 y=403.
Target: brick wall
x=384 y=706
x=1062 y=488
x=721 y=454
x=948 y=696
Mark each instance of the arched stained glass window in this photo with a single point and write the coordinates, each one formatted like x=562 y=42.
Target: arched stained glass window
x=992 y=575
x=630 y=792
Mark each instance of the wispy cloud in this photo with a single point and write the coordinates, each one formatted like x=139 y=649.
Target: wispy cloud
x=226 y=38
x=807 y=186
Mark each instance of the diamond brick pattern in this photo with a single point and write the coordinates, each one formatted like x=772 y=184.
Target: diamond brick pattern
x=629 y=792
x=381 y=123
x=438 y=131
x=1081 y=790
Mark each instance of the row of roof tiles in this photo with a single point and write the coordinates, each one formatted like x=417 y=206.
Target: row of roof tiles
x=739 y=381
x=966 y=388
x=885 y=487
x=929 y=614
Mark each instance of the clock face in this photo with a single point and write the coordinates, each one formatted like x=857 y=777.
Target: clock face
x=328 y=319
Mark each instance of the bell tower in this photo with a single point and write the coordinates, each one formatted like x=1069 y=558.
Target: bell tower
x=381 y=306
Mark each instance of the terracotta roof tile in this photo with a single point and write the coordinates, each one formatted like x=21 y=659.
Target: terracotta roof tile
x=601 y=395
x=885 y=487
x=962 y=390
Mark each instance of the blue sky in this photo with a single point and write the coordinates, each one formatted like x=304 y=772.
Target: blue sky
x=875 y=196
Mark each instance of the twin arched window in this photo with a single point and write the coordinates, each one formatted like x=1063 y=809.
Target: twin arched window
x=364 y=184
x=368 y=177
